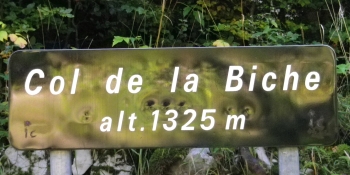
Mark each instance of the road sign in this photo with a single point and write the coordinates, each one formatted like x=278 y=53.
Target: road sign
x=173 y=97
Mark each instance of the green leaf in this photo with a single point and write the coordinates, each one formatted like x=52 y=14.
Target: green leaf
x=199 y=17
x=343 y=68
x=3 y=134
x=127 y=40
x=4 y=106
x=144 y=46
x=30 y=6
x=267 y=29
x=69 y=10
x=138 y=38
x=221 y=43
x=257 y=34
x=127 y=8
x=117 y=39
x=12 y=4
x=186 y=10
x=4 y=121
x=140 y=10
x=11 y=17
x=223 y=27
x=132 y=41
x=3 y=25
x=70 y=16
x=3 y=35
x=273 y=22
x=216 y=150
x=5 y=77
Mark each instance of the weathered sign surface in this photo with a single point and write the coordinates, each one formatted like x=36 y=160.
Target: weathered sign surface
x=172 y=97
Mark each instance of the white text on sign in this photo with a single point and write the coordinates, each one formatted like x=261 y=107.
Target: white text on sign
x=207 y=121
x=234 y=81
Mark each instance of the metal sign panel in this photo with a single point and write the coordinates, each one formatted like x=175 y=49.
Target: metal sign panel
x=173 y=97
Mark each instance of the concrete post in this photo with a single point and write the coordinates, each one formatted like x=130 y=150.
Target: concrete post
x=60 y=162
x=288 y=161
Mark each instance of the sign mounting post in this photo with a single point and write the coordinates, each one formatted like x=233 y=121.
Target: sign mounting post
x=60 y=162
x=288 y=160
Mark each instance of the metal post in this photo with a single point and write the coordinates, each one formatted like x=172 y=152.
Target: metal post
x=60 y=162
x=288 y=161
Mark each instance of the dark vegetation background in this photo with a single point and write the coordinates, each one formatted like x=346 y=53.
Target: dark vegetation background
x=78 y=24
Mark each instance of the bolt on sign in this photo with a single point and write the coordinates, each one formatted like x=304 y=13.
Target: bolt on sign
x=172 y=97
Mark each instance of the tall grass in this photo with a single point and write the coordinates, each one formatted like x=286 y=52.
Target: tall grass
x=340 y=38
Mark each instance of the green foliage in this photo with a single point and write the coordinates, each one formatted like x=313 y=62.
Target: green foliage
x=31 y=17
x=343 y=68
x=163 y=159
x=136 y=42
x=339 y=36
x=260 y=32
x=344 y=118
x=327 y=160
x=3 y=35
x=23 y=20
